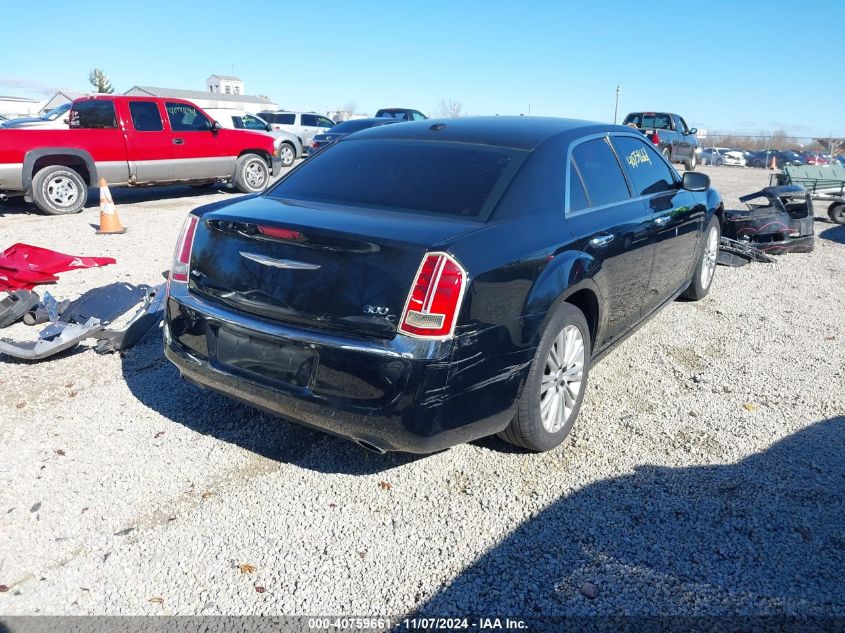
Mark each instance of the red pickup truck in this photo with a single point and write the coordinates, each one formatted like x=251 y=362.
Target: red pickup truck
x=135 y=141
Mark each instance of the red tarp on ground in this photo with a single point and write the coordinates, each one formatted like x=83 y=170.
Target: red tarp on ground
x=22 y=267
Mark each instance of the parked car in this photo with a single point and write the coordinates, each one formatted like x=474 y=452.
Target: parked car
x=840 y=158
x=288 y=146
x=135 y=141
x=340 y=130
x=782 y=158
x=55 y=119
x=815 y=158
x=421 y=285
x=303 y=125
x=670 y=133
x=722 y=156
x=403 y=114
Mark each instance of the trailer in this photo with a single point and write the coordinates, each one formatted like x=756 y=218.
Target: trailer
x=823 y=182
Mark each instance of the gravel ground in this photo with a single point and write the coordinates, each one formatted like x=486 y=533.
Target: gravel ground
x=704 y=476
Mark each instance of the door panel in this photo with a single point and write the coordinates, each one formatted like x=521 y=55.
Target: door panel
x=198 y=153
x=614 y=230
x=149 y=142
x=674 y=217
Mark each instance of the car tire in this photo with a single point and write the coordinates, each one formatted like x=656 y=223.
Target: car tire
x=705 y=268
x=59 y=190
x=287 y=153
x=542 y=421
x=667 y=154
x=836 y=212
x=719 y=163
x=252 y=174
x=691 y=162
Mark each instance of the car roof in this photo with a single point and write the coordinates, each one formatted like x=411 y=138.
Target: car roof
x=515 y=132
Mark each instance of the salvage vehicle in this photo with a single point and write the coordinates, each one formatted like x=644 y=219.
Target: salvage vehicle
x=288 y=146
x=402 y=114
x=670 y=133
x=718 y=156
x=321 y=141
x=420 y=285
x=55 y=119
x=781 y=158
x=134 y=141
x=303 y=125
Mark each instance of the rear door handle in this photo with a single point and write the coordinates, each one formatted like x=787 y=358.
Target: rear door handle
x=178 y=141
x=601 y=240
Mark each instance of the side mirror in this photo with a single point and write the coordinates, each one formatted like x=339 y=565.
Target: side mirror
x=695 y=181
x=693 y=130
x=215 y=127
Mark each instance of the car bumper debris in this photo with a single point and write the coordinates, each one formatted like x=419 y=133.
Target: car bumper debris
x=783 y=224
x=93 y=316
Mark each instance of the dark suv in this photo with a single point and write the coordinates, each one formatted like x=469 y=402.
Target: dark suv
x=420 y=285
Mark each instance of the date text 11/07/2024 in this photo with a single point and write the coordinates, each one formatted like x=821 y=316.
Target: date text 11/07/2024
x=420 y=623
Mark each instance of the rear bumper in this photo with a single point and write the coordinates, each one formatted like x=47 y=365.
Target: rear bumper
x=397 y=395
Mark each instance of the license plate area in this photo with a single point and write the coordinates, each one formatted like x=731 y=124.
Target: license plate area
x=264 y=360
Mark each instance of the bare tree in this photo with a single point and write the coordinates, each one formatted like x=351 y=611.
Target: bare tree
x=449 y=109
x=345 y=112
x=100 y=81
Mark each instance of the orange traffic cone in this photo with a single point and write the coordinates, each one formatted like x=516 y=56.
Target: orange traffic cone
x=774 y=163
x=109 y=222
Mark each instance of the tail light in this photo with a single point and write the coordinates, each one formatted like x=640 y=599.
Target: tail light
x=315 y=144
x=435 y=298
x=655 y=138
x=182 y=254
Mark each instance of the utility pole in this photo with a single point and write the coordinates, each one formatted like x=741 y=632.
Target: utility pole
x=616 y=109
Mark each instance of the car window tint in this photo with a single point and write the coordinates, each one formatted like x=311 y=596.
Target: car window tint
x=93 y=114
x=250 y=122
x=648 y=172
x=309 y=119
x=324 y=122
x=600 y=172
x=401 y=176
x=286 y=119
x=577 y=195
x=186 y=118
x=145 y=116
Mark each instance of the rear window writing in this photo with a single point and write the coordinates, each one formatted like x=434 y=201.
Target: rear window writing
x=402 y=176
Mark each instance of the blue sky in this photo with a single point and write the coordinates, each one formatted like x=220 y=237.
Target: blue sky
x=723 y=65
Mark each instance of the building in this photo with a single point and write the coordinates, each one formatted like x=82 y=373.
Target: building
x=60 y=98
x=225 y=84
x=248 y=103
x=19 y=107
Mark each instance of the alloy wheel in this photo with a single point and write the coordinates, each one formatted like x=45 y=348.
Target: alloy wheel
x=708 y=262
x=562 y=378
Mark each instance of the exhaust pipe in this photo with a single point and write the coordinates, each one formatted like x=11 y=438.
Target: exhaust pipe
x=370 y=447
x=3 y=197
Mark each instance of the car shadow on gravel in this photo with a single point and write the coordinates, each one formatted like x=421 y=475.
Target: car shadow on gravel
x=835 y=233
x=155 y=382
x=764 y=536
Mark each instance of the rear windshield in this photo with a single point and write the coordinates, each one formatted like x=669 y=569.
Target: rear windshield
x=414 y=176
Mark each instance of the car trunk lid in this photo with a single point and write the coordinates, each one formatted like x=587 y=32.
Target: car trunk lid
x=320 y=266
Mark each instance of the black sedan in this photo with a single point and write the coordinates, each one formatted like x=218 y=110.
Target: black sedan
x=416 y=286
x=332 y=135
